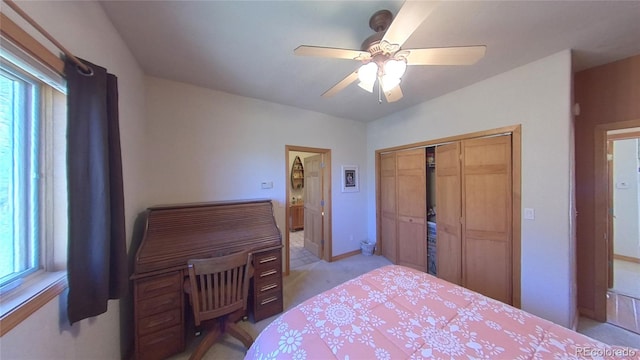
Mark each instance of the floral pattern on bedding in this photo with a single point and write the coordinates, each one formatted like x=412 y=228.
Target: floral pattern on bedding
x=399 y=313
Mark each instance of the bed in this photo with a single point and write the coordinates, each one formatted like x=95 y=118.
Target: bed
x=395 y=312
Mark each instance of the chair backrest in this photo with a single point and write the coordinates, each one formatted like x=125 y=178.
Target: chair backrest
x=219 y=285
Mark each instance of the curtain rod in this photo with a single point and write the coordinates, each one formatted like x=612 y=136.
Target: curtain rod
x=55 y=42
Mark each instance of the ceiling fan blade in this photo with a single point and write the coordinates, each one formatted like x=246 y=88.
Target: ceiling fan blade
x=342 y=84
x=394 y=94
x=462 y=55
x=336 y=53
x=410 y=16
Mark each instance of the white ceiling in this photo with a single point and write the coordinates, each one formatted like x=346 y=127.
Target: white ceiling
x=246 y=47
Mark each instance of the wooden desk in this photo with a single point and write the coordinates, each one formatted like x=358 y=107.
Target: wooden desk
x=176 y=233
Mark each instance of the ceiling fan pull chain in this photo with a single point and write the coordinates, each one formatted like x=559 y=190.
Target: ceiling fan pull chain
x=379 y=93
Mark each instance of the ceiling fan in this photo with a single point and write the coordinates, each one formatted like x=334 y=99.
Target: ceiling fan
x=381 y=54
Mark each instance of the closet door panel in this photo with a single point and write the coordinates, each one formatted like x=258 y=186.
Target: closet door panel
x=412 y=247
x=486 y=187
x=448 y=205
x=412 y=208
x=486 y=195
x=489 y=276
x=388 y=214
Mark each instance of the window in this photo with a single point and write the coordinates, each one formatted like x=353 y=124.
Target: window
x=20 y=198
x=33 y=226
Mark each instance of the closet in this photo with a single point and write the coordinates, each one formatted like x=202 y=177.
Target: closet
x=447 y=209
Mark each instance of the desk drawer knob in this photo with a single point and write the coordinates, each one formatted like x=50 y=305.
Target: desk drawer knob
x=269 y=300
x=268 y=287
x=269 y=259
x=267 y=273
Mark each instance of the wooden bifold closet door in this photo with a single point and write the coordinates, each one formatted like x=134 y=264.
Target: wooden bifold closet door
x=388 y=206
x=474 y=244
x=411 y=174
x=473 y=193
x=449 y=215
x=487 y=217
x=403 y=207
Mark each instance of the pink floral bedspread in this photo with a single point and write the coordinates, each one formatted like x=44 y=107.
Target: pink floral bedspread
x=399 y=313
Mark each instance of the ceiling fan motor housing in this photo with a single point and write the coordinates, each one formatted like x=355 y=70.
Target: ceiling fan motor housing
x=379 y=22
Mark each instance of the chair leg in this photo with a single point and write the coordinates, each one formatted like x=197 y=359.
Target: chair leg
x=207 y=341
x=239 y=333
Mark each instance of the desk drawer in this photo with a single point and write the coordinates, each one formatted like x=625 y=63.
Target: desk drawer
x=271 y=259
x=262 y=287
x=159 y=321
x=159 y=304
x=161 y=344
x=158 y=285
x=268 y=304
x=268 y=274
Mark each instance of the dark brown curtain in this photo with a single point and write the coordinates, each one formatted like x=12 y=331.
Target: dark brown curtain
x=97 y=265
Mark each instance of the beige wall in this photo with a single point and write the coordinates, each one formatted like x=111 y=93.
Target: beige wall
x=538 y=96
x=85 y=30
x=208 y=145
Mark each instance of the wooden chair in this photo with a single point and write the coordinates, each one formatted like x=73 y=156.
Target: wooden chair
x=218 y=289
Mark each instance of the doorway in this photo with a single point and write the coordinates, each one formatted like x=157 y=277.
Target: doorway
x=623 y=228
x=308 y=206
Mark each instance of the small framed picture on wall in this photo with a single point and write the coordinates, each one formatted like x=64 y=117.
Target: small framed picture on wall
x=350 y=178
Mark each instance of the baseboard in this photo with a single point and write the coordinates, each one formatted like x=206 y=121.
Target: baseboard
x=576 y=319
x=345 y=255
x=627 y=258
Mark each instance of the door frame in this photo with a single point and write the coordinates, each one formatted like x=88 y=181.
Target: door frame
x=326 y=194
x=601 y=216
x=516 y=186
x=610 y=233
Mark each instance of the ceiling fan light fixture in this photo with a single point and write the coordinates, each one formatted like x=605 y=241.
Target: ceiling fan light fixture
x=368 y=86
x=367 y=73
x=388 y=82
x=395 y=68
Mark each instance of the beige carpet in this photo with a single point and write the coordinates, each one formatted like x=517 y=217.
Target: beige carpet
x=309 y=280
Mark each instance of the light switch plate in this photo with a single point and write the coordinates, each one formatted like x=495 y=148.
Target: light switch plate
x=267 y=185
x=622 y=185
x=529 y=214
